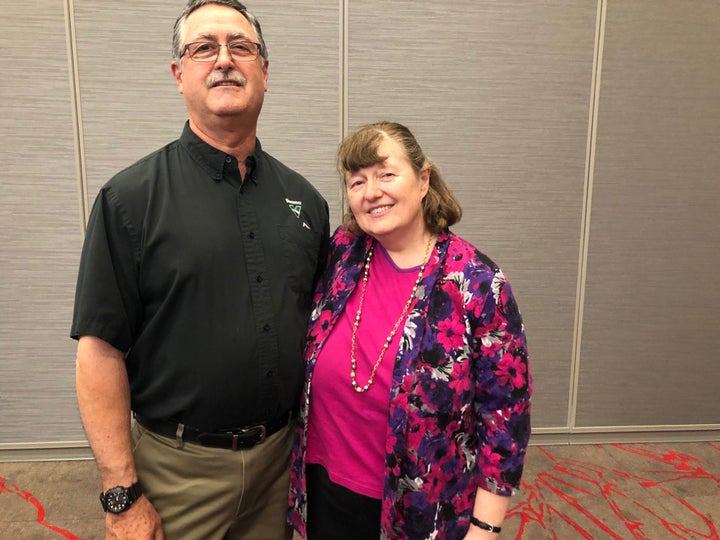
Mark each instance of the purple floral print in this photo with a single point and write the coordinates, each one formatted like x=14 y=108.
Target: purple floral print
x=459 y=416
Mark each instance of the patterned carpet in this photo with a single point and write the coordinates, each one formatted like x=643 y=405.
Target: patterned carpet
x=610 y=491
x=641 y=491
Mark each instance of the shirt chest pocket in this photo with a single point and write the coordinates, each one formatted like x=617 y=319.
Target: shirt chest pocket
x=301 y=249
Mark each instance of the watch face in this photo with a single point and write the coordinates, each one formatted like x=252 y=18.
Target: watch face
x=117 y=500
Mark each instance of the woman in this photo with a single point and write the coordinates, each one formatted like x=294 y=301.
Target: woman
x=415 y=414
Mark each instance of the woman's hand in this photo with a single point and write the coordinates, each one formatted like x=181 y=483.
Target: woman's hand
x=475 y=533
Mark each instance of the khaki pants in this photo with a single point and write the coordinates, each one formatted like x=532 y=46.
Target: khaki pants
x=216 y=494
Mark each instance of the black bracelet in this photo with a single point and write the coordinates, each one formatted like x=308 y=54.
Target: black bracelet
x=484 y=526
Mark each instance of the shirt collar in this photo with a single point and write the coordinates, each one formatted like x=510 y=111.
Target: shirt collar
x=213 y=160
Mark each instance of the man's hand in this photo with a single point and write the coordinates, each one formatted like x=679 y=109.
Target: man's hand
x=139 y=522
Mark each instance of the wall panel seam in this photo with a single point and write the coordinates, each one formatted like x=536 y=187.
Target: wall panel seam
x=343 y=93
x=587 y=209
x=74 y=77
x=344 y=45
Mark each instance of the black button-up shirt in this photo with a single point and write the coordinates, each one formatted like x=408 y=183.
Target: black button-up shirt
x=205 y=280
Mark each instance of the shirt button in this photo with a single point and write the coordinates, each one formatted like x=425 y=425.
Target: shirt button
x=259 y=279
x=228 y=159
x=266 y=328
x=251 y=236
x=270 y=373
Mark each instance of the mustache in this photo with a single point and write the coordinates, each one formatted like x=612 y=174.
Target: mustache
x=229 y=76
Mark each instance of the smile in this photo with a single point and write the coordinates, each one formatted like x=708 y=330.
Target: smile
x=380 y=209
x=226 y=83
x=226 y=79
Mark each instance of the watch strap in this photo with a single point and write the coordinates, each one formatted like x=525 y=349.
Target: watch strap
x=135 y=491
x=484 y=526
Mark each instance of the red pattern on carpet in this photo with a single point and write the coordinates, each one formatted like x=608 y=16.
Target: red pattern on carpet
x=12 y=489
x=557 y=494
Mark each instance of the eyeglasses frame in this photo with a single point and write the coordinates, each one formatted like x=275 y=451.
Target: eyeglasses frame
x=186 y=48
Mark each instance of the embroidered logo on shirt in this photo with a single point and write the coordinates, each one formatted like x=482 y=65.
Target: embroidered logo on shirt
x=295 y=206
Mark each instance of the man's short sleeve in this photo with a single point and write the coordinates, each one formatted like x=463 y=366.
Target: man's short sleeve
x=107 y=298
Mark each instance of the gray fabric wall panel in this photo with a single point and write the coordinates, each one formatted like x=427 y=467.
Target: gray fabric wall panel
x=300 y=122
x=40 y=228
x=130 y=103
x=650 y=337
x=498 y=95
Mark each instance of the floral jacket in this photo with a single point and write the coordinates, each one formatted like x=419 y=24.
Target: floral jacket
x=459 y=416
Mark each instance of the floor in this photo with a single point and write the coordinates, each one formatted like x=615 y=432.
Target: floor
x=629 y=491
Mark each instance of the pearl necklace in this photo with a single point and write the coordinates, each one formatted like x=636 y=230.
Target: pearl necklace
x=388 y=340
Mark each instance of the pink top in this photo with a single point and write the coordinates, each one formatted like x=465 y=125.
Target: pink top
x=346 y=430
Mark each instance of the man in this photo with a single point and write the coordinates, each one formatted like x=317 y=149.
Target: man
x=193 y=295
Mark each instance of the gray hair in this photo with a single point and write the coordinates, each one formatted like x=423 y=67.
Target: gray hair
x=192 y=5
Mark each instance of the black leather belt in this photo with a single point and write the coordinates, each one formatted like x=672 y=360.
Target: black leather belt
x=234 y=438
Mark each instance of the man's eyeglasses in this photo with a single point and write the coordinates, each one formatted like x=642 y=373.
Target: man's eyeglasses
x=207 y=51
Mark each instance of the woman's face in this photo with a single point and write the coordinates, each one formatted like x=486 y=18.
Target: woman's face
x=386 y=198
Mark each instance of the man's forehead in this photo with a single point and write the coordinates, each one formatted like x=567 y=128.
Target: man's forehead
x=214 y=19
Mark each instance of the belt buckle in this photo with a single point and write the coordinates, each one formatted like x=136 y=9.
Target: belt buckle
x=260 y=428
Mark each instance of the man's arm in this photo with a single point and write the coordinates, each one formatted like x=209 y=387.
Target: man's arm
x=103 y=394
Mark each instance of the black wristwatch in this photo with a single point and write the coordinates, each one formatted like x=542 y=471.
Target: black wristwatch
x=118 y=499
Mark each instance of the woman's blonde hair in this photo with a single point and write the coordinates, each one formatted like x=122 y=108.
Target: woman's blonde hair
x=361 y=149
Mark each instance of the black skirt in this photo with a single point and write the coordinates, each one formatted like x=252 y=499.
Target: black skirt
x=337 y=512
